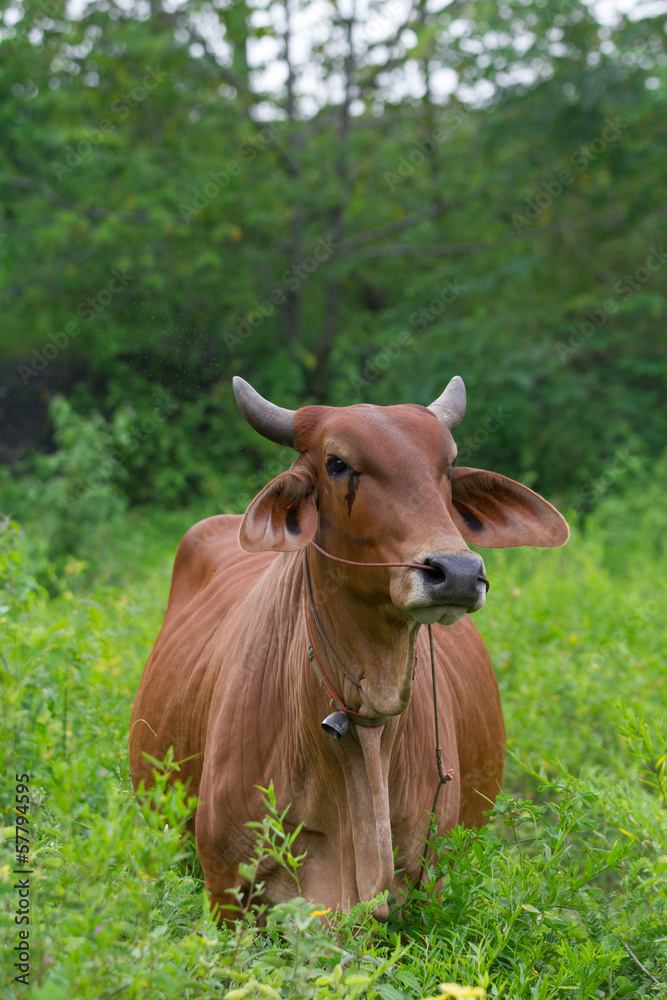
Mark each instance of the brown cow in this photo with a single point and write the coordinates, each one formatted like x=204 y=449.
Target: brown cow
x=230 y=684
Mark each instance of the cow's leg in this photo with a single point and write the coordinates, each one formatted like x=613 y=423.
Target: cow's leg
x=466 y=675
x=415 y=780
x=219 y=853
x=223 y=905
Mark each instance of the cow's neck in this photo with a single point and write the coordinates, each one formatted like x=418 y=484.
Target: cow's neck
x=380 y=654
x=376 y=650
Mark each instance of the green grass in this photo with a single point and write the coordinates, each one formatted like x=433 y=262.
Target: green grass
x=571 y=869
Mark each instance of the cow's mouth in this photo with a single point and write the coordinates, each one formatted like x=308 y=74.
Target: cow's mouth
x=439 y=614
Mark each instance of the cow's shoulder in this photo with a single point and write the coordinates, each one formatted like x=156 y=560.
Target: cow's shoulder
x=209 y=537
x=210 y=552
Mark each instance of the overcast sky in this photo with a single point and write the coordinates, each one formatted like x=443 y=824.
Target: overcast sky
x=375 y=21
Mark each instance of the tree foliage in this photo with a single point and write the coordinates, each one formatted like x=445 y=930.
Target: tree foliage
x=339 y=204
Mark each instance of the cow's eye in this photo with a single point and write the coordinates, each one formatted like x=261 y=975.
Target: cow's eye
x=336 y=466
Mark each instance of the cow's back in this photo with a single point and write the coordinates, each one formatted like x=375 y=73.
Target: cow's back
x=212 y=575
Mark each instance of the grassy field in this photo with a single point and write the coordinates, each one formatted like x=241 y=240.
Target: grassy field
x=564 y=894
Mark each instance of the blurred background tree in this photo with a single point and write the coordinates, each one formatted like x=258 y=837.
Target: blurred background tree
x=341 y=201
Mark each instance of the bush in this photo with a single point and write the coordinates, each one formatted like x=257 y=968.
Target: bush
x=72 y=494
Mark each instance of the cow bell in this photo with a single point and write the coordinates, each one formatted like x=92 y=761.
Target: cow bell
x=336 y=725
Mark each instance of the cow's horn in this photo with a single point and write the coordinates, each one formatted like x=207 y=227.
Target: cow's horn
x=271 y=421
x=450 y=407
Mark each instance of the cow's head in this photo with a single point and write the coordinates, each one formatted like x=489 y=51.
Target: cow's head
x=380 y=484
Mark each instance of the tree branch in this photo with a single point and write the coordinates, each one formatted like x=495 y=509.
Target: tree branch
x=333 y=288
x=639 y=964
x=291 y=309
x=468 y=249
x=396 y=227
x=249 y=97
x=27 y=183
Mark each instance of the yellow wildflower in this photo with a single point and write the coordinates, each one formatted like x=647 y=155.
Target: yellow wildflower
x=461 y=992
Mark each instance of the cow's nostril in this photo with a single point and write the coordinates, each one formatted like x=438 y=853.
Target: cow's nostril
x=435 y=571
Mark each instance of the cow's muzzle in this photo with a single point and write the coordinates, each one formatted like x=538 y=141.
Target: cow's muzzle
x=453 y=584
x=455 y=578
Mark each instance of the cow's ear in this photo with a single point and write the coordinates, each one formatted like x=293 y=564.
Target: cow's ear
x=283 y=517
x=497 y=513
